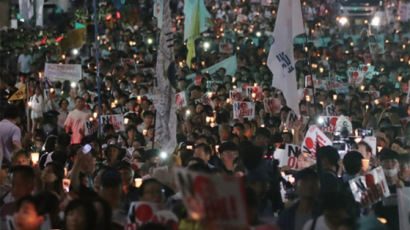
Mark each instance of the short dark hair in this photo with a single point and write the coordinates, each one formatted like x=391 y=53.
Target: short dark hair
x=88 y=208
x=207 y=149
x=11 y=112
x=352 y=162
x=38 y=203
x=26 y=171
x=329 y=153
x=145 y=184
x=228 y=146
x=368 y=148
x=110 y=178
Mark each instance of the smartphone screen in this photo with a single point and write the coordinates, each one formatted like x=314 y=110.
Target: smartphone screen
x=86 y=148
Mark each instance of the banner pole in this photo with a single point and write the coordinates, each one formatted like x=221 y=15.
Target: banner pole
x=97 y=65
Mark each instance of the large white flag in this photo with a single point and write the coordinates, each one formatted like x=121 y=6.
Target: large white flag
x=164 y=93
x=281 y=62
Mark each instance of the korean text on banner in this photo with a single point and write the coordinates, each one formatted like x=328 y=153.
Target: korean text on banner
x=116 y=120
x=62 y=72
x=281 y=62
x=219 y=200
x=243 y=110
x=360 y=185
x=141 y=213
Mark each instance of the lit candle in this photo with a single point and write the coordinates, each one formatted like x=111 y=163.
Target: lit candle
x=137 y=182
x=34 y=158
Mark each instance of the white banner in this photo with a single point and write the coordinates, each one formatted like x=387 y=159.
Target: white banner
x=116 y=120
x=219 y=200
x=62 y=72
x=289 y=23
x=314 y=137
x=243 y=110
x=235 y=95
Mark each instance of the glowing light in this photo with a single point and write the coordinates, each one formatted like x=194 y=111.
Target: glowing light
x=258 y=34
x=207 y=45
x=150 y=41
x=163 y=155
x=375 y=21
x=74 y=52
x=73 y=85
x=343 y=20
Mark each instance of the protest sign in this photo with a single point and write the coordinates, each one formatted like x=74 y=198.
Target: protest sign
x=62 y=72
x=338 y=86
x=361 y=184
x=91 y=127
x=291 y=120
x=116 y=120
x=314 y=138
x=219 y=200
x=314 y=82
x=145 y=212
x=330 y=110
x=226 y=48
x=358 y=74
x=288 y=156
x=372 y=142
x=180 y=100
x=243 y=110
x=272 y=105
x=235 y=95
x=403 y=200
x=328 y=123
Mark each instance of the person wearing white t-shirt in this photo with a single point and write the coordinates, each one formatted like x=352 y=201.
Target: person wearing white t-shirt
x=37 y=108
x=75 y=122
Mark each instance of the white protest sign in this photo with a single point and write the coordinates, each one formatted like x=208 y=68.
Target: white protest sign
x=291 y=120
x=403 y=200
x=91 y=127
x=243 y=110
x=330 y=110
x=145 y=212
x=235 y=95
x=314 y=137
x=219 y=200
x=360 y=185
x=116 y=120
x=226 y=48
x=328 y=123
x=372 y=142
x=272 y=105
x=180 y=100
x=62 y=72
x=288 y=156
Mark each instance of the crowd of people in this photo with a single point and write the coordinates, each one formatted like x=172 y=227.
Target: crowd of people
x=63 y=170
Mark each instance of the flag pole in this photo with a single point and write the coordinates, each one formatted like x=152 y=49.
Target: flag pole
x=97 y=65
x=308 y=57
